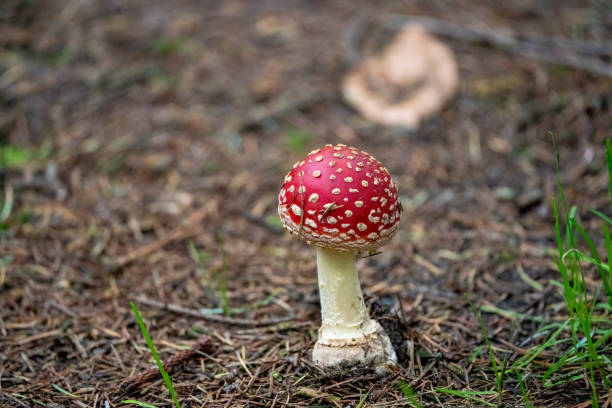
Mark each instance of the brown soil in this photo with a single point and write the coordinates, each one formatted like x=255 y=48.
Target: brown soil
x=170 y=123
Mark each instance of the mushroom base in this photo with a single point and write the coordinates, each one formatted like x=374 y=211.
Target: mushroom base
x=373 y=351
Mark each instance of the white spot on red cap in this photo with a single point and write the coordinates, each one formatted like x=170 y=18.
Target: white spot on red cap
x=314 y=197
x=331 y=220
x=296 y=210
x=362 y=227
x=348 y=179
x=358 y=203
x=348 y=213
x=316 y=173
x=372 y=218
x=335 y=191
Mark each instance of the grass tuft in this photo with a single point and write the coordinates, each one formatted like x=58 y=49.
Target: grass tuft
x=569 y=259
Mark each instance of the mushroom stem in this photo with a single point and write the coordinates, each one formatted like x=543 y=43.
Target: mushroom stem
x=347 y=337
x=343 y=311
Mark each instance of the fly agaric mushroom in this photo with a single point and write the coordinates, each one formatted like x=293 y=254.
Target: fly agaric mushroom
x=343 y=200
x=411 y=80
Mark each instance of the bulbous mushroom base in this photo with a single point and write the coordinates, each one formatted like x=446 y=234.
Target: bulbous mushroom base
x=372 y=351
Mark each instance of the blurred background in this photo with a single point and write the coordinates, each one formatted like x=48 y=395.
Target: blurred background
x=144 y=144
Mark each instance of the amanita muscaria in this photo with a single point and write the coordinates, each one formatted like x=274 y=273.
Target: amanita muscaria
x=342 y=200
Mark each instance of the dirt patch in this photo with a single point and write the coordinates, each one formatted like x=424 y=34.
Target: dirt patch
x=149 y=142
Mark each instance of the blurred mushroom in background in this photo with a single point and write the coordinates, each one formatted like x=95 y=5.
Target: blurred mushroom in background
x=409 y=81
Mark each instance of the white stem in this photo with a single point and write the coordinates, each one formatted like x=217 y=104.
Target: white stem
x=345 y=317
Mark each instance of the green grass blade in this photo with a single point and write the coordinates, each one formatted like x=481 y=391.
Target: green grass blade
x=139 y=403
x=567 y=289
x=584 y=257
x=158 y=361
x=63 y=391
x=595 y=255
x=469 y=395
x=363 y=399
x=409 y=394
x=523 y=389
x=607 y=334
x=571 y=352
x=528 y=358
x=602 y=216
x=567 y=380
x=558 y=172
x=608 y=251
x=609 y=161
x=475 y=354
x=222 y=278
x=511 y=314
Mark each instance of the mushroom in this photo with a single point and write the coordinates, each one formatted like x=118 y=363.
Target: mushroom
x=343 y=200
x=411 y=80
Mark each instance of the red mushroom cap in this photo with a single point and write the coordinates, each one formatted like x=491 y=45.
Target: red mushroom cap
x=340 y=197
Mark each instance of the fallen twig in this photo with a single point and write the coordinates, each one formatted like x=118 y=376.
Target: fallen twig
x=582 y=55
x=203 y=345
x=184 y=231
x=211 y=317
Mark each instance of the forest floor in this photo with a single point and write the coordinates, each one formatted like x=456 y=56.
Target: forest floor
x=145 y=144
